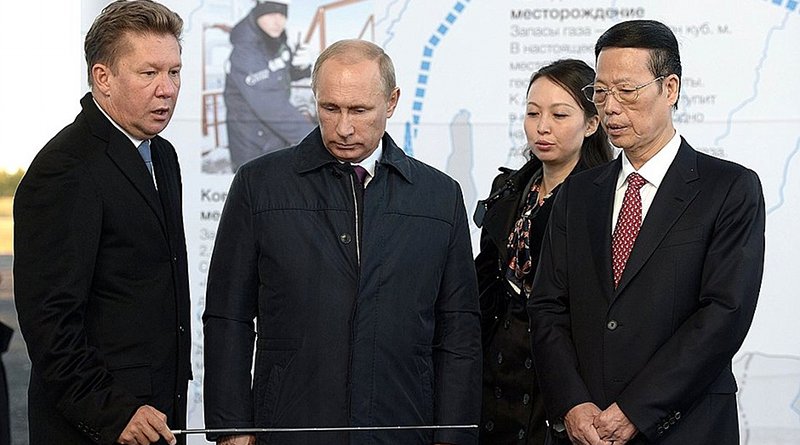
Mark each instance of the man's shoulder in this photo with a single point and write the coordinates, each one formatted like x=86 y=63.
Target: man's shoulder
x=277 y=167
x=71 y=142
x=437 y=186
x=711 y=164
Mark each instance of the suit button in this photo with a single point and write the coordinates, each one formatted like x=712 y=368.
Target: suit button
x=678 y=415
x=489 y=425
x=506 y=324
x=526 y=399
x=181 y=329
x=499 y=358
x=345 y=238
x=174 y=259
x=498 y=392
x=521 y=434
x=528 y=363
x=611 y=325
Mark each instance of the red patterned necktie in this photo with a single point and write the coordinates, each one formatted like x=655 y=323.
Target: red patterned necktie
x=628 y=223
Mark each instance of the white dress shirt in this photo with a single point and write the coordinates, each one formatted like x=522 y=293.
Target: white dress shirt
x=653 y=171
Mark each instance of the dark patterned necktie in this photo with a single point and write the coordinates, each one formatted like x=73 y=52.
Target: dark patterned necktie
x=628 y=224
x=361 y=173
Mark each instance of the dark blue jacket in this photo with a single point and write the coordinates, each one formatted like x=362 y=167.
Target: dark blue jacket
x=367 y=314
x=260 y=117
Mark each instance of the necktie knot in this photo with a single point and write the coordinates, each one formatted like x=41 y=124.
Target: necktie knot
x=144 y=151
x=361 y=173
x=636 y=181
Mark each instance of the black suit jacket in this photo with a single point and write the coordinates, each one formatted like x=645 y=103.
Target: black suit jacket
x=101 y=283
x=661 y=344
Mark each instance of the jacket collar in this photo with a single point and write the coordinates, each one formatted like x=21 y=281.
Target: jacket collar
x=678 y=189
x=100 y=126
x=312 y=155
x=124 y=155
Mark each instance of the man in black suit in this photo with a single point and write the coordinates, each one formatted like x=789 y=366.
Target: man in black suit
x=634 y=345
x=101 y=280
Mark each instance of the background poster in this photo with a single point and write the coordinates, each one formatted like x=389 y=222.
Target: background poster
x=463 y=68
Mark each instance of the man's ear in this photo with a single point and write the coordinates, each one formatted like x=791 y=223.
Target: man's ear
x=101 y=78
x=393 y=98
x=672 y=85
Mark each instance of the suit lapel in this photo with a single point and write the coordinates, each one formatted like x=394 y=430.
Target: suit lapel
x=502 y=214
x=600 y=210
x=498 y=222
x=168 y=178
x=127 y=159
x=124 y=155
x=676 y=192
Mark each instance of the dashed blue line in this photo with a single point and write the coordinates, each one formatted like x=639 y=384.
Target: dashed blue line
x=425 y=65
x=791 y=5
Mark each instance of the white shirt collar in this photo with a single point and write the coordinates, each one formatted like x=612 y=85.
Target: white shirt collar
x=135 y=141
x=654 y=170
x=369 y=163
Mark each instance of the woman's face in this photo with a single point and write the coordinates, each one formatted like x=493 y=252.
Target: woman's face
x=555 y=123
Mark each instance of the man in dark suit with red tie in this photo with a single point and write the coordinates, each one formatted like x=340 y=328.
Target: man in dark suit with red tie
x=650 y=270
x=101 y=280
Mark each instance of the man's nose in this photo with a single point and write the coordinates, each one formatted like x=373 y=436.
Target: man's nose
x=168 y=85
x=344 y=126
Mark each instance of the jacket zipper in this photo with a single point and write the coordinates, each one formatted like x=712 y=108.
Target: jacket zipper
x=355 y=301
x=358 y=238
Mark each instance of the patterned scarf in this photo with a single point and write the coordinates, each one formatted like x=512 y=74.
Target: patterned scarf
x=520 y=262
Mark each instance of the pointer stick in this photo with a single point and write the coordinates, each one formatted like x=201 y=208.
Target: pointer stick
x=320 y=429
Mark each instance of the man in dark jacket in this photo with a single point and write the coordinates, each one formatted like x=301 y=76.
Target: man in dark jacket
x=100 y=272
x=365 y=296
x=260 y=116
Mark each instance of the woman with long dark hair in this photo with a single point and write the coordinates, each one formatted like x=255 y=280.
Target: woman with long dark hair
x=564 y=137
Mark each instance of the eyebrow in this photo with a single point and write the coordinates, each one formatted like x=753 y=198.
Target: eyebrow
x=616 y=82
x=557 y=104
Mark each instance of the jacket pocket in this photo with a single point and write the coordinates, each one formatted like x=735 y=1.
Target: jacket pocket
x=273 y=358
x=683 y=236
x=134 y=378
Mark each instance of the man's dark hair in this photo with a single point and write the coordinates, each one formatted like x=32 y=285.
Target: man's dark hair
x=665 y=58
x=107 y=39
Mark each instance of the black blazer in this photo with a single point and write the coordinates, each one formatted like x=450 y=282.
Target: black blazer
x=510 y=187
x=661 y=344
x=101 y=283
